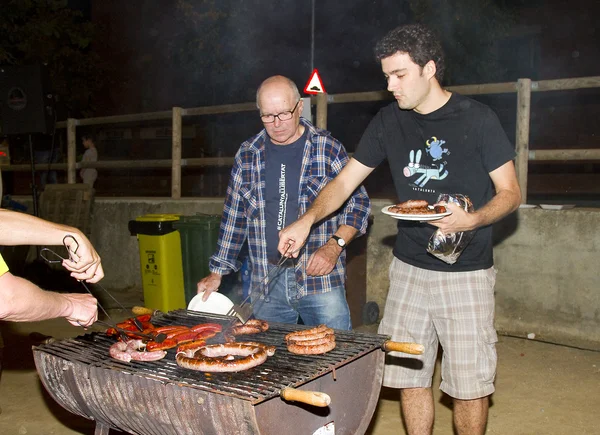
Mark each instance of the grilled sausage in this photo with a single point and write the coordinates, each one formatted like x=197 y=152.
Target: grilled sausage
x=311 y=331
x=221 y=357
x=252 y=326
x=304 y=337
x=413 y=203
x=195 y=344
x=312 y=342
x=311 y=350
x=132 y=351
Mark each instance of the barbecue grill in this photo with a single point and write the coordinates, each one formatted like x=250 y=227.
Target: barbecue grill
x=162 y=398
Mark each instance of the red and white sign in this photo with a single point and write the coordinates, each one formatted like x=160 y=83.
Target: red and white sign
x=314 y=84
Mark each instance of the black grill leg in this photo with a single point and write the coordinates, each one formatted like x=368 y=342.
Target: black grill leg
x=101 y=429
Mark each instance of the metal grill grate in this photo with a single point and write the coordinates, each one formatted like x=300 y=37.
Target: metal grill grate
x=284 y=369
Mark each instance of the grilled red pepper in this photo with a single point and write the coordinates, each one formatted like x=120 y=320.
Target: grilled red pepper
x=207 y=326
x=175 y=332
x=185 y=336
x=144 y=318
x=170 y=328
x=169 y=343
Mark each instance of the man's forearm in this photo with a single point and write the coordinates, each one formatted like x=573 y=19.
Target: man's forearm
x=23 y=301
x=23 y=229
x=346 y=232
x=329 y=200
x=501 y=205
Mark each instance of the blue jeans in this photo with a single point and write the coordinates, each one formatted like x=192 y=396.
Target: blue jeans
x=281 y=304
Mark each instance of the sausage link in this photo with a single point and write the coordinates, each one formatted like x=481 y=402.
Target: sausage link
x=311 y=331
x=219 y=357
x=311 y=350
x=321 y=340
x=315 y=336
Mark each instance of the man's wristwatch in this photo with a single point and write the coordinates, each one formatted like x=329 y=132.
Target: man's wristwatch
x=340 y=242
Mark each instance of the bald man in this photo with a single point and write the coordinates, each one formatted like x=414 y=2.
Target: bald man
x=275 y=177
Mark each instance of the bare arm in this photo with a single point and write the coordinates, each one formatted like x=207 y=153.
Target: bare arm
x=23 y=301
x=23 y=229
x=323 y=260
x=506 y=200
x=329 y=200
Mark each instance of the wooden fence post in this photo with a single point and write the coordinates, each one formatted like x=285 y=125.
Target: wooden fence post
x=176 y=154
x=322 y=111
x=522 y=134
x=71 y=151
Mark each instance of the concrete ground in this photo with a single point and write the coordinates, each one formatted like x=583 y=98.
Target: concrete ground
x=541 y=388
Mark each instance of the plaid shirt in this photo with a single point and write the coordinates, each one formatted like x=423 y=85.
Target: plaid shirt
x=244 y=215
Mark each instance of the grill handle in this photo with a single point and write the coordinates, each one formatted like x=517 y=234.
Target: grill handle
x=314 y=398
x=396 y=346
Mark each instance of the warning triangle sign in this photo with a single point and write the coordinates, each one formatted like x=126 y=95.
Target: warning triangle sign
x=314 y=84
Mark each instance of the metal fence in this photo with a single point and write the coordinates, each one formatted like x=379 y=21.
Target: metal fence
x=523 y=89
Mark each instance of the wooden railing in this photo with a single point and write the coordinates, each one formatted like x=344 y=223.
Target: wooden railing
x=523 y=88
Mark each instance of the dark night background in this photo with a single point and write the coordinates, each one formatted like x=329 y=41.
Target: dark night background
x=142 y=56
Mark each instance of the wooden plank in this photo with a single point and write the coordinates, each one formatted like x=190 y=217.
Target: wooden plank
x=322 y=111
x=564 y=154
x=225 y=108
x=176 y=154
x=567 y=84
x=522 y=134
x=71 y=151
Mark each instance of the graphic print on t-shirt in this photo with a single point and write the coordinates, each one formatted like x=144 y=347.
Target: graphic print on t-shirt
x=283 y=197
x=435 y=171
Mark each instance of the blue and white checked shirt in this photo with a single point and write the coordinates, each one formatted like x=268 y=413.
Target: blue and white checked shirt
x=244 y=216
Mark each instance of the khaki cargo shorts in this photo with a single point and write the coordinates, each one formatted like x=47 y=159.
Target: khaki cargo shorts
x=454 y=309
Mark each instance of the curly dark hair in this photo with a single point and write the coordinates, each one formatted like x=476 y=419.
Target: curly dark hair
x=416 y=40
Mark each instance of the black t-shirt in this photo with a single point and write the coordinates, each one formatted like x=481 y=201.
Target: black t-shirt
x=451 y=150
x=282 y=177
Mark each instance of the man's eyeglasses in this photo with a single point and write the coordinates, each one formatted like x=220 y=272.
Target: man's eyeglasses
x=283 y=116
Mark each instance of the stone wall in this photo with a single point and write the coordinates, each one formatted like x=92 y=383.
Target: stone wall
x=547 y=262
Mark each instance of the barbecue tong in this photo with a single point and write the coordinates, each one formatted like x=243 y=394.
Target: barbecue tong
x=159 y=338
x=59 y=259
x=244 y=310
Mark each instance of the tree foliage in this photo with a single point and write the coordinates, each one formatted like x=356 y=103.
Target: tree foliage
x=48 y=32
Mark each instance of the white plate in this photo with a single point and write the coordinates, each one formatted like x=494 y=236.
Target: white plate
x=217 y=303
x=557 y=206
x=528 y=206
x=414 y=217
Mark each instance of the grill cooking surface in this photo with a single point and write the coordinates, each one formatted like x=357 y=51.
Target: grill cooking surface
x=284 y=369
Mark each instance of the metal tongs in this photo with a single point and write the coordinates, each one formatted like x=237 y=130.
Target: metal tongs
x=159 y=338
x=45 y=252
x=245 y=309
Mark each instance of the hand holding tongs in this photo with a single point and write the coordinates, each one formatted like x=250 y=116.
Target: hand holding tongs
x=245 y=309
x=44 y=252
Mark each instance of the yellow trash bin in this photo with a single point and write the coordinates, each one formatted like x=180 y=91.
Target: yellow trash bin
x=160 y=261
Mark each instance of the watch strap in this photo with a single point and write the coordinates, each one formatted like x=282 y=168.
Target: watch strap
x=340 y=242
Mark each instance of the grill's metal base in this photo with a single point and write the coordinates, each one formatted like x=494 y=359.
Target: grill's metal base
x=138 y=405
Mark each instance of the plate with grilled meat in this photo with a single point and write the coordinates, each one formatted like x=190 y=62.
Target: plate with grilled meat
x=416 y=210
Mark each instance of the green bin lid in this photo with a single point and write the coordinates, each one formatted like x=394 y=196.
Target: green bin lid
x=198 y=219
